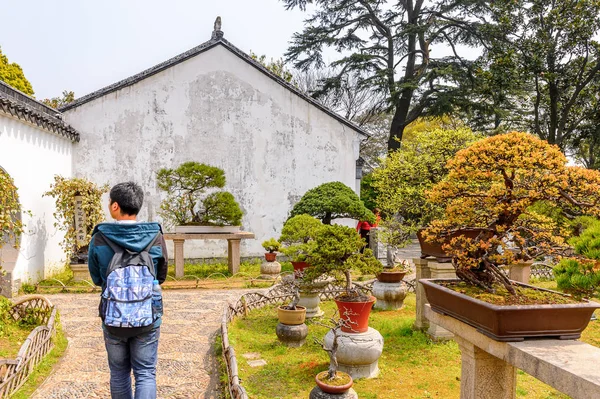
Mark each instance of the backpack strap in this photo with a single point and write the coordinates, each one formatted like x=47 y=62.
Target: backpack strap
x=121 y=252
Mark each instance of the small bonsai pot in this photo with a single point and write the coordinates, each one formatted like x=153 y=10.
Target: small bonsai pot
x=326 y=385
x=299 y=267
x=291 y=317
x=270 y=256
x=391 y=277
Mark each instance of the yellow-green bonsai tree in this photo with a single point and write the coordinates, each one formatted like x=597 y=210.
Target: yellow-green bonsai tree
x=491 y=187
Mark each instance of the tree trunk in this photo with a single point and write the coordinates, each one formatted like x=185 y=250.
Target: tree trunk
x=327 y=218
x=398 y=125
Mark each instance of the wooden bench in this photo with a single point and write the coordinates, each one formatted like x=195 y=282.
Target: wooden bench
x=233 y=247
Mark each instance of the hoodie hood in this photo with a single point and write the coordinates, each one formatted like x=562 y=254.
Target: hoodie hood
x=133 y=236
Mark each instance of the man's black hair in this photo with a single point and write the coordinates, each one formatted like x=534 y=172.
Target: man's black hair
x=129 y=196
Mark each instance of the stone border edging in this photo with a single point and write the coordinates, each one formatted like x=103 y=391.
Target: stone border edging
x=14 y=372
x=255 y=300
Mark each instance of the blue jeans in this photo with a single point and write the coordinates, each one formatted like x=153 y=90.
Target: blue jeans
x=139 y=353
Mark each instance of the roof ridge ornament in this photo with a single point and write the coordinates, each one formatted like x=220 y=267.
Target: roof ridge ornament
x=217 y=32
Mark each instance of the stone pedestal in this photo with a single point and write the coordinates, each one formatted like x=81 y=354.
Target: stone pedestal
x=310 y=300
x=439 y=270
x=292 y=335
x=270 y=269
x=80 y=272
x=520 y=272
x=390 y=296
x=358 y=353
x=484 y=375
x=422 y=271
x=316 y=393
x=9 y=287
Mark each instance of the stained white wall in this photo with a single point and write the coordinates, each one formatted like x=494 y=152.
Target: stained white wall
x=216 y=109
x=32 y=157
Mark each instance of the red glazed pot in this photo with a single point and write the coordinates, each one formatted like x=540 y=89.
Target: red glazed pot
x=357 y=313
x=335 y=389
x=299 y=267
x=270 y=256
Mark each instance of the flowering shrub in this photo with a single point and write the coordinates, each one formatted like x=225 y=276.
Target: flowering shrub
x=491 y=187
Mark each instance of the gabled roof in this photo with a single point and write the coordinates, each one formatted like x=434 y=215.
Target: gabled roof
x=216 y=40
x=21 y=106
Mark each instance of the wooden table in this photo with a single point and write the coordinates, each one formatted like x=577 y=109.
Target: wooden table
x=233 y=247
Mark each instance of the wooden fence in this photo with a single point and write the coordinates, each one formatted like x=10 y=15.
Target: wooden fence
x=37 y=310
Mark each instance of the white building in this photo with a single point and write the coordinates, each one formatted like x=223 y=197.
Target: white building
x=212 y=104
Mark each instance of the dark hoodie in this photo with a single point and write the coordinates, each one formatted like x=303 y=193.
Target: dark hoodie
x=133 y=236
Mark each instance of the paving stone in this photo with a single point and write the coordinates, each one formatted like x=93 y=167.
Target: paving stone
x=252 y=355
x=257 y=363
x=186 y=363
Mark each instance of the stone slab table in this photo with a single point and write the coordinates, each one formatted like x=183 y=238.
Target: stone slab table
x=233 y=247
x=489 y=366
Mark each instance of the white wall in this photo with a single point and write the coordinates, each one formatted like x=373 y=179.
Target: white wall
x=216 y=109
x=32 y=157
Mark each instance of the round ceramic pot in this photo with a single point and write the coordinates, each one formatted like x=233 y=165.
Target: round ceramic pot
x=321 y=380
x=291 y=317
x=357 y=314
x=270 y=256
x=391 y=277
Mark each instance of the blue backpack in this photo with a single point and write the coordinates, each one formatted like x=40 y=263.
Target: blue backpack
x=129 y=298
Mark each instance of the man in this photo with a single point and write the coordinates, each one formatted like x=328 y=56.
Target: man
x=129 y=347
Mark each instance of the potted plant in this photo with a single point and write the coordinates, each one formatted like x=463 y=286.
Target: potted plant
x=332 y=380
x=394 y=274
x=297 y=236
x=331 y=201
x=336 y=253
x=271 y=246
x=78 y=209
x=193 y=203
x=490 y=189
x=292 y=314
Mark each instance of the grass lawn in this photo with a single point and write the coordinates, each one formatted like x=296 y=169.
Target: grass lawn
x=411 y=365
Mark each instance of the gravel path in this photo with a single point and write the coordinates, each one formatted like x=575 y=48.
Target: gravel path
x=187 y=366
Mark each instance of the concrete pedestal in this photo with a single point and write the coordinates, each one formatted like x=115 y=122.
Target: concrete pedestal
x=440 y=270
x=422 y=271
x=316 y=393
x=80 y=272
x=292 y=335
x=270 y=269
x=310 y=300
x=9 y=287
x=520 y=272
x=358 y=353
x=390 y=296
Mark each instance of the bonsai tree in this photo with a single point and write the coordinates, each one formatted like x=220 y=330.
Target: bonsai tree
x=271 y=245
x=297 y=236
x=491 y=188
x=188 y=202
x=333 y=376
x=580 y=275
x=407 y=173
x=331 y=201
x=336 y=252
x=64 y=190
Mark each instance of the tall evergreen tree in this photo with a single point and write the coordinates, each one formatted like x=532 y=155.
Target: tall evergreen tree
x=389 y=46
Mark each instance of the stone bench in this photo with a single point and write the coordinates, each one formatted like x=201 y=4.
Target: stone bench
x=489 y=366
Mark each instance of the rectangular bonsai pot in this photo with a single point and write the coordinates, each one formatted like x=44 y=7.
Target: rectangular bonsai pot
x=511 y=322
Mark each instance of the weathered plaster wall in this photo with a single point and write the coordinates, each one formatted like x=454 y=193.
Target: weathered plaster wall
x=32 y=157
x=216 y=109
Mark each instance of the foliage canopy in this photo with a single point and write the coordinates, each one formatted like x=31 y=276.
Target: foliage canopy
x=11 y=226
x=298 y=235
x=187 y=200
x=491 y=187
x=12 y=74
x=331 y=201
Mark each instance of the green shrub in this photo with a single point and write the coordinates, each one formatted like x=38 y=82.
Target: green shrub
x=271 y=245
x=580 y=276
x=332 y=201
x=5 y=305
x=297 y=236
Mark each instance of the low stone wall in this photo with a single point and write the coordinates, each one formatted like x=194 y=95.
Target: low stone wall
x=14 y=372
x=255 y=300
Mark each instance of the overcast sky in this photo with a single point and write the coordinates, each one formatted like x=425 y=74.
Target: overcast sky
x=84 y=45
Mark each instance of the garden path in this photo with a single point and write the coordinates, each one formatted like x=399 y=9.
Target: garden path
x=187 y=367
